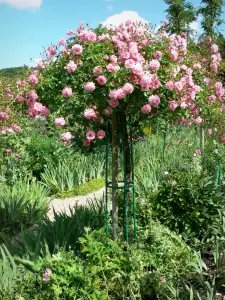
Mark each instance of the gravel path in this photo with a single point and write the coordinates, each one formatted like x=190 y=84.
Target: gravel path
x=64 y=205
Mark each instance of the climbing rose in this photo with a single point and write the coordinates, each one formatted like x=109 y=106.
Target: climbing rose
x=157 y=54
x=209 y=131
x=101 y=134
x=32 y=95
x=128 y=88
x=154 y=100
x=62 y=42
x=102 y=80
x=197 y=121
x=173 y=105
x=90 y=114
x=90 y=135
x=198 y=151
x=60 y=121
x=67 y=92
x=71 y=67
x=16 y=127
x=77 y=49
x=113 y=102
x=169 y=85
x=214 y=48
x=108 y=111
x=69 y=32
x=8 y=150
x=89 y=86
x=66 y=136
x=146 y=109
x=33 y=79
x=112 y=68
x=129 y=63
x=3 y=116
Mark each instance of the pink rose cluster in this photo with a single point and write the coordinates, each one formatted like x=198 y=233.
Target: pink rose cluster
x=90 y=114
x=119 y=94
x=71 y=67
x=60 y=121
x=3 y=116
x=91 y=135
x=66 y=136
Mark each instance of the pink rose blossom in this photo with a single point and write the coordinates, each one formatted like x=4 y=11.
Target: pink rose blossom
x=101 y=80
x=67 y=92
x=101 y=134
x=19 y=99
x=71 y=67
x=33 y=79
x=17 y=155
x=198 y=151
x=90 y=114
x=214 y=48
x=169 y=85
x=86 y=143
x=129 y=63
x=38 y=106
x=108 y=111
x=60 y=121
x=69 y=32
x=8 y=150
x=197 y=121
x=209 y=131
x=112 y=68
x=52 y=50
x=212 y=98
x=157 y=54
x=113 y=103
x=3 y=116
x=154 y=100
x=77 y=49
x=66 y=136
x=62 y=41
x=90 y=135
x=128 y=88
x=178 y=86
x=97 y=70
x=32 y=96
x=113 y=58
x=106 y=57
x=173 y=105
x=154 y=64
x=146 y=109
x=89 y=86
x=16 y=127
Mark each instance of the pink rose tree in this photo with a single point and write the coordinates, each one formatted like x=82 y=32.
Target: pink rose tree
x=121 y=73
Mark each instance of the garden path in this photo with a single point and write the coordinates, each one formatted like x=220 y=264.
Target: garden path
x=64 y=205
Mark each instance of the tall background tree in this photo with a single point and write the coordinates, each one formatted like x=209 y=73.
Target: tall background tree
x=180 y=15
x=211 y=14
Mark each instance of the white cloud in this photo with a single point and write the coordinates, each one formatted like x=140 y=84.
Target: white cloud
x=122 y=17
x=23 y=4
x=195 y=26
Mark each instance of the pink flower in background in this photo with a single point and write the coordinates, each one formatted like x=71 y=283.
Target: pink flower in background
x=90 y=114
x=178 y=86
x=108 y=111
x=154 y=100
x=71 y=67
x=9 y=130
x=77 y=49
x=209 y=131
x=146 y=109
x=101 y=134
x=17 y=155
x=60 y=121
x=169 y=85
x=129 y=63
x=113 y=103
x=47 y=274
x=86 y=143
x=3 y=116
x=106 y=57
x=8 y=150
x=157 y=54
x=16 y=127
x=21 y=82
x=97 y=70
x=198 y=151
x=90 y=135
x=197 y=121
x=33 y=79
x=173 y=105
x=166 y=22
x=112 y=68
x=66 y=136
x=214 y=48
x=154 y=64
x=89 y=86
x=69 y=32
x=62 y=41
x=101 y=80
x=52 y=50
x=67 y=92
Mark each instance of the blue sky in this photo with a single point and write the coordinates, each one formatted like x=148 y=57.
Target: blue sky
x=28 y=25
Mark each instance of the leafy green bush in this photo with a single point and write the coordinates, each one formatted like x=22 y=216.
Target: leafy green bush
x=21 y=205
x=63 y=232
x=188 y=204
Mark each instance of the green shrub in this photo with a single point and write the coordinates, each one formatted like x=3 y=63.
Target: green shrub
x=188 y=204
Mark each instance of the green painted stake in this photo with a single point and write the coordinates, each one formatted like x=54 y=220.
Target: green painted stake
x=164 y=146
x=106 y=181
x=218 y=173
